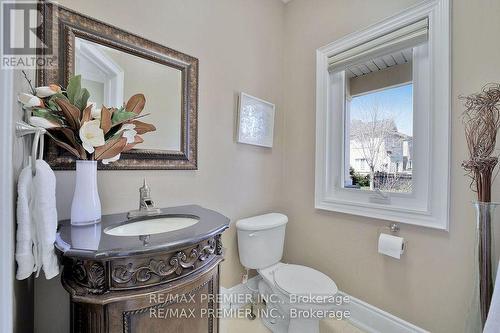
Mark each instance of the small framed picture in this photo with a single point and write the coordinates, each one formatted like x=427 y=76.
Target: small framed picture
x=255 y=121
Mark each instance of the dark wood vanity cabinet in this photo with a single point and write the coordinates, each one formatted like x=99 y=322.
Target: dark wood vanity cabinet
x=160 y=283
x=170 y=291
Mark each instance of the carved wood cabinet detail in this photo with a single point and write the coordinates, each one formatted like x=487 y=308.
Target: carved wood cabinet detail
x=169 y=291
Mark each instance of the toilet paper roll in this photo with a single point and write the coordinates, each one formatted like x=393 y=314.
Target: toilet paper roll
x=391 y=246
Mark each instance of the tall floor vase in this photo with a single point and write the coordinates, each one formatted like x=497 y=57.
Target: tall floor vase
x=486 y=259
x=86 y=205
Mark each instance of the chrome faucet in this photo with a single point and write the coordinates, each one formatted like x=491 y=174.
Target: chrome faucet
x=146 y=203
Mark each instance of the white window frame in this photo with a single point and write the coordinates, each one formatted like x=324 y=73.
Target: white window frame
x=428 y=204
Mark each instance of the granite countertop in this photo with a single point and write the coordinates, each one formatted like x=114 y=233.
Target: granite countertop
x=92 y=242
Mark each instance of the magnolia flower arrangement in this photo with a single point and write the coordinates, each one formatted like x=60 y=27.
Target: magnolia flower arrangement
x=79 y=127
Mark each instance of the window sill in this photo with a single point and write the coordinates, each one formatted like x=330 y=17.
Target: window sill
x=384 y=212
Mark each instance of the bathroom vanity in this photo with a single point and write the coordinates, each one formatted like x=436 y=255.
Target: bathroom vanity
x=147 y=274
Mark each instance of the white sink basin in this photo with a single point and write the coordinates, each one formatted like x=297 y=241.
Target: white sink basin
x=152 y=226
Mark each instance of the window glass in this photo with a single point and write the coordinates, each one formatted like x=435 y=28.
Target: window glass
x=379 y=124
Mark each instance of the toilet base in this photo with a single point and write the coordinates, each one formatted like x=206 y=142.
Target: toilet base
x=277 y=318
x=275 y=326
x=273 y=319
x=291 y=325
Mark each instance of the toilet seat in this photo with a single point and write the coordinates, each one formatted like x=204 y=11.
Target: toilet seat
x=303 y=280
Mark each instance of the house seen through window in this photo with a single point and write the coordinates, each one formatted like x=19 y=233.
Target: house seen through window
x=379 y=124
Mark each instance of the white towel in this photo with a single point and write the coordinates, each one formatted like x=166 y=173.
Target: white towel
x=40 y=192
x=44 y=214
x=24 y=236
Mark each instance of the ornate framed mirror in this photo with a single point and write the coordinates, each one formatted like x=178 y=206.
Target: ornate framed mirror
x=115 y=64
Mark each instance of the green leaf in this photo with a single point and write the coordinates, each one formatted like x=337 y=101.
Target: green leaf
x=78 y=153
x=74 y=88
x=136 y=103
x=39 y=112
x=58 y=95
x=44 y=113
x=112 y=132
x=110 y=149
x=81 y=101
x=52 y=105
x=70 y=113
x=121 y=116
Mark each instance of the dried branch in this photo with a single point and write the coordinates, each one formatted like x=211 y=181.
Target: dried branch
x=481 y=120
x=33 y=91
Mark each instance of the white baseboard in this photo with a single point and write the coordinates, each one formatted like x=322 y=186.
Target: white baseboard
x=371 y=319
x=364 y=316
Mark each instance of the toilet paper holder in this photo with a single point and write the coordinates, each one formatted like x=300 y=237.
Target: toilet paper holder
x=394 y=228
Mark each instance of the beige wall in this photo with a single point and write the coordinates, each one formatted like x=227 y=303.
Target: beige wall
x=239 y=45
x=430 y=286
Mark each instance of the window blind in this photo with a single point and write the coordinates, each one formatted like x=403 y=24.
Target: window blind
x=403 y=38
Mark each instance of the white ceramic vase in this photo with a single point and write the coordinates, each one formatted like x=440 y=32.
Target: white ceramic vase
x=86 y=205
x=86 y=237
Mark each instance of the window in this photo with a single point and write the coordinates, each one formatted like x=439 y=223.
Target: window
x=379 y=128
x=383 y=108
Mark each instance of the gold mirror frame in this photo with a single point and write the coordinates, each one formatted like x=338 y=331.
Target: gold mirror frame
x=59 y=27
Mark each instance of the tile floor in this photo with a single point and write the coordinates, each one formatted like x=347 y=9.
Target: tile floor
x=243 y=325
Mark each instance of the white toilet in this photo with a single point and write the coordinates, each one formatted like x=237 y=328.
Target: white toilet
x=295 y=295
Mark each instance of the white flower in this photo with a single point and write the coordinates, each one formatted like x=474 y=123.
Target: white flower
x=47 y=91
x=126 y=127
x=130 y=135
x=128 y=132
x=29 y=100
x=111 y=159
x=42 y=122
x=91 y=135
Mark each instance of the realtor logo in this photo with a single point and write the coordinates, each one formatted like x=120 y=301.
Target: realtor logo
x=21 y=42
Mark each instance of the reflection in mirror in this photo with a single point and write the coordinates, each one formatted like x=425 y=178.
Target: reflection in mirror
x=112 y=76
x=379 y=123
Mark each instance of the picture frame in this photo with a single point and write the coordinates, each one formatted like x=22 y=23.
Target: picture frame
x=255 y=121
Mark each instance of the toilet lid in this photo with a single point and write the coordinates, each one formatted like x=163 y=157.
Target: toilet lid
x=302 y=280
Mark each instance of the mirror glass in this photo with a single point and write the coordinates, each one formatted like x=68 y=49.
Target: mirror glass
x=112 y=76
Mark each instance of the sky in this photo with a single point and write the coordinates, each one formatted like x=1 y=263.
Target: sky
x=396 y=103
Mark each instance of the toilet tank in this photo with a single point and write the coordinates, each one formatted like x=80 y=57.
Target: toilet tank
x=261 y=240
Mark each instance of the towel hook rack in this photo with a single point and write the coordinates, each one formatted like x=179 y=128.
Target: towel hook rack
x=23 y=129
